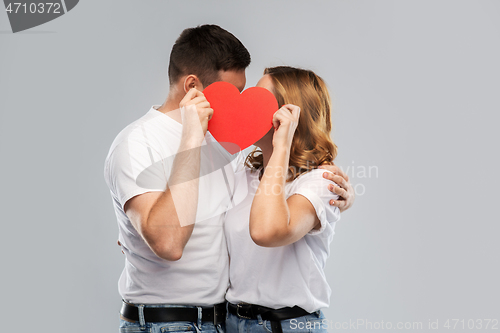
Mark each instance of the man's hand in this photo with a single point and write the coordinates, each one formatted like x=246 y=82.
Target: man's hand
x=198 y=101
x=344 y=189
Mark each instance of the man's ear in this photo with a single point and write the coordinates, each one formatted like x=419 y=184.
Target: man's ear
x=192 y=81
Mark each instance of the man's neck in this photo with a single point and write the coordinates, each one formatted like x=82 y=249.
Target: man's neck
x=171 y=107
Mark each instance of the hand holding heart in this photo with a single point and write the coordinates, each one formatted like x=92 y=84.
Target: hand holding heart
x=239 y=120
x=196 y=111
x=285 y=122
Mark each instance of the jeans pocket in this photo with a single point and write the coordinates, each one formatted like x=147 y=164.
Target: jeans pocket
x=134 y=329
x=267 y=326
x=177 y=327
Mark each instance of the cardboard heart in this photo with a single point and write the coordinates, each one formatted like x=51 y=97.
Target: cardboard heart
x=239 y=120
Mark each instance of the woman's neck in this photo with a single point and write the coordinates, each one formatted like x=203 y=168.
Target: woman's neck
x=267 y=151
x=266 y=146
x=266 y=156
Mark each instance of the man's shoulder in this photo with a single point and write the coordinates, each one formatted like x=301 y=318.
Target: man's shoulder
x=139 y=145
x=142 y=131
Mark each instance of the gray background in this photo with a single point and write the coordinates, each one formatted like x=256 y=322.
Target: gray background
x=415 y=87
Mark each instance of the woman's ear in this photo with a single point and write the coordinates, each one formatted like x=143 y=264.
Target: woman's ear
x=192 y=81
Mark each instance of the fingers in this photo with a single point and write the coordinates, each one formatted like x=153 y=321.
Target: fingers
x=289 y=113
x=339 y=181
x=199 y=101
x=335 y=169
x=278 y=118
x=192 y=94
x=189 y=96
x=343 y=185
x=341 y=204
x=344 y=190
x=338 y=191
x=294 y=110
x=342 y=174
x=210 y=112
x=342 y=193
x=328 y=175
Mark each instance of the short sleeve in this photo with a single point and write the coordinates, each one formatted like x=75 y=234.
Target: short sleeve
x=134 y=167
x=314 y=188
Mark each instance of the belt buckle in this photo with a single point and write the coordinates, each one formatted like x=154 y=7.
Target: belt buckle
x=238 y=307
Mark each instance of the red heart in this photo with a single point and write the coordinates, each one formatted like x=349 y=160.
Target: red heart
x=239 y=120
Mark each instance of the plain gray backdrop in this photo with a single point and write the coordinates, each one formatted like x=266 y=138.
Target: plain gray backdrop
x=415 y=88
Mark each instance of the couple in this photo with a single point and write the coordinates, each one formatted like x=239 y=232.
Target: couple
x=179 y=230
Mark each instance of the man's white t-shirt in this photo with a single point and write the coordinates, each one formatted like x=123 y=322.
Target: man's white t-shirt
x=289 y=275
x=139 y=161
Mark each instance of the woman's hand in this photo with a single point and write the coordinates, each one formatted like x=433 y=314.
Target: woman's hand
x=285 y=122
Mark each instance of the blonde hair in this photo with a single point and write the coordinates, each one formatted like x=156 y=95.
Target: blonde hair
x=312 y=144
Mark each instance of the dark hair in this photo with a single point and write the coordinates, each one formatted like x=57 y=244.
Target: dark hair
x=204 y=51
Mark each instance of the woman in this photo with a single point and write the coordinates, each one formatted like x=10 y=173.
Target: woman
x=277 y=282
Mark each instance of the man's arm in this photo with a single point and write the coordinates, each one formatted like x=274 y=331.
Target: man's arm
x=344 y=189
x=166 y=219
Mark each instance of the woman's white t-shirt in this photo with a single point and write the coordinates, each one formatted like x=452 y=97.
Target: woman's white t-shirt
x=283 y=276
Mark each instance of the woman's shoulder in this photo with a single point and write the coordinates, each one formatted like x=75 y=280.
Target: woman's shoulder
x=314 y=187
x=312 y=181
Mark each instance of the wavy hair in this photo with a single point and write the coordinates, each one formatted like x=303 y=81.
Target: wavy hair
x=312 y=145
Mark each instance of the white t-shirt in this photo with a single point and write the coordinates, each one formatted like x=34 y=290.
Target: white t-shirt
x=283 y=276
x=139 y=161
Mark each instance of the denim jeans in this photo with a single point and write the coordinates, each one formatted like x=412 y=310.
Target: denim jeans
x=171 y=326
x=312 y=323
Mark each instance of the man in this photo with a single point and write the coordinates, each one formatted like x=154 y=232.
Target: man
x=176 y=270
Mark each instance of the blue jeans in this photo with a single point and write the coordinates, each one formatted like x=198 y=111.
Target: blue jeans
x=171 y=326
x=312 y=323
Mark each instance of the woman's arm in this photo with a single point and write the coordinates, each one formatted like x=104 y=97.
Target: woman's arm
x=275 y=221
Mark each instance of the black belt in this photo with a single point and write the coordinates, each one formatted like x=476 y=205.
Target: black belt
x=275 y=316
x=215 y=314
